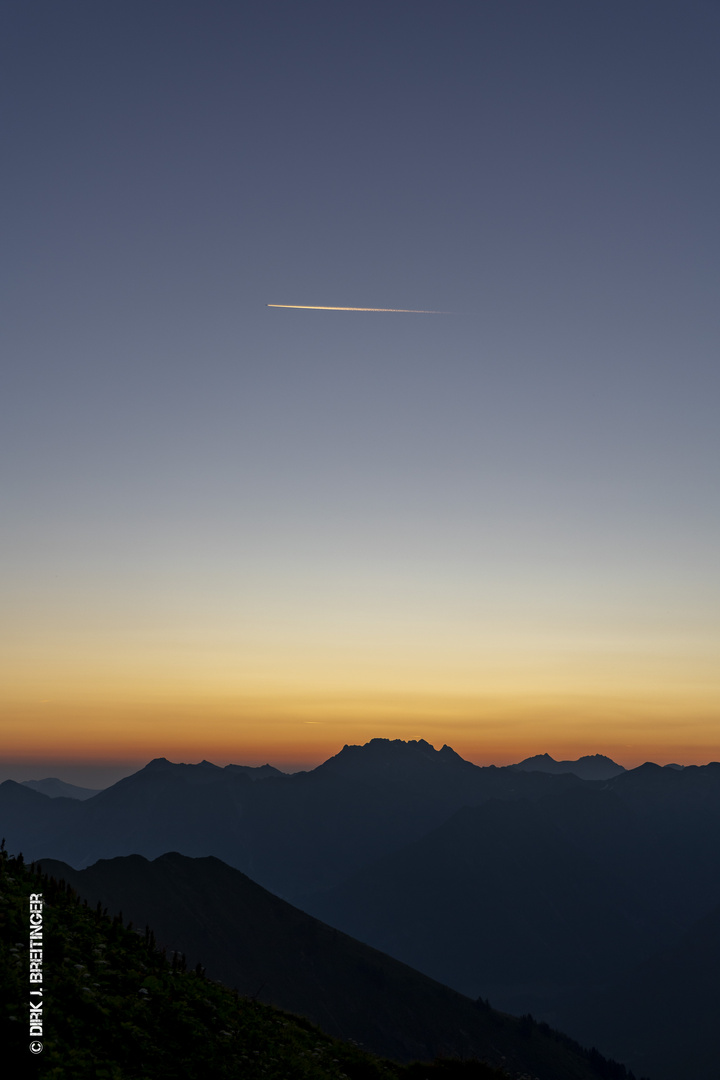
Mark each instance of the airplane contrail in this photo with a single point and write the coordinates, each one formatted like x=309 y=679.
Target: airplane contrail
x=397 y=311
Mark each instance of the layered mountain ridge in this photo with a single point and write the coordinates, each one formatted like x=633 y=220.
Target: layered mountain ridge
x=274 y=953
x=530 y=888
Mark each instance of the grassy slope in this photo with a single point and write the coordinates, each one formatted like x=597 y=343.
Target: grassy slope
x=116 y=1010
x=256 y=943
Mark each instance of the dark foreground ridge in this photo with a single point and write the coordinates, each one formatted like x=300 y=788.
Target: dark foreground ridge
x=115 y=1003
x=116 y=1008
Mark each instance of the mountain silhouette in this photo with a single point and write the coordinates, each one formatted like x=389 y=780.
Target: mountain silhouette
x=270 y=951
x=55 y=788
x=530 y=903
x=294 y=834
x=121 y=1008
x=590 y=767
x=529 y=889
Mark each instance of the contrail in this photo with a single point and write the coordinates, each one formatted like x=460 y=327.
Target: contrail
x=398 y=311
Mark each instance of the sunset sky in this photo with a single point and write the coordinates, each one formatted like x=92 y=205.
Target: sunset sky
x=245 y=533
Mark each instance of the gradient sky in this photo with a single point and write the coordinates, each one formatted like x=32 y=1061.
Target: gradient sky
x=252 y=534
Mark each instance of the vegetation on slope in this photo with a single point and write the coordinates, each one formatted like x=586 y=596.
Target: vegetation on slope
x=116 y=1008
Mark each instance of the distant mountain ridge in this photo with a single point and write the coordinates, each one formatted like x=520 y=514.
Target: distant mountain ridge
x=257 y=772
x=292 y=833
x=54 y=788
x=589 y=767
x=550 y=907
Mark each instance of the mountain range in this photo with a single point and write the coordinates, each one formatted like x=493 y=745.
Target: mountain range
x=56 y=788
x=590 y=767
x=292 y=833
x=121 y=1008
x=541 y=891
x=270 y=951
x=529 y=902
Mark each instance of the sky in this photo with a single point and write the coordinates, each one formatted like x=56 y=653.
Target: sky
x=254 y=534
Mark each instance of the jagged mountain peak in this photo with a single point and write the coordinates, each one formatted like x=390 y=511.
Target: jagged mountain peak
x=399 y=756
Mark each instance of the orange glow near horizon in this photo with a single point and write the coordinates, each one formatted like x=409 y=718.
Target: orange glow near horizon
x=306 y=731
x=291 y=678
